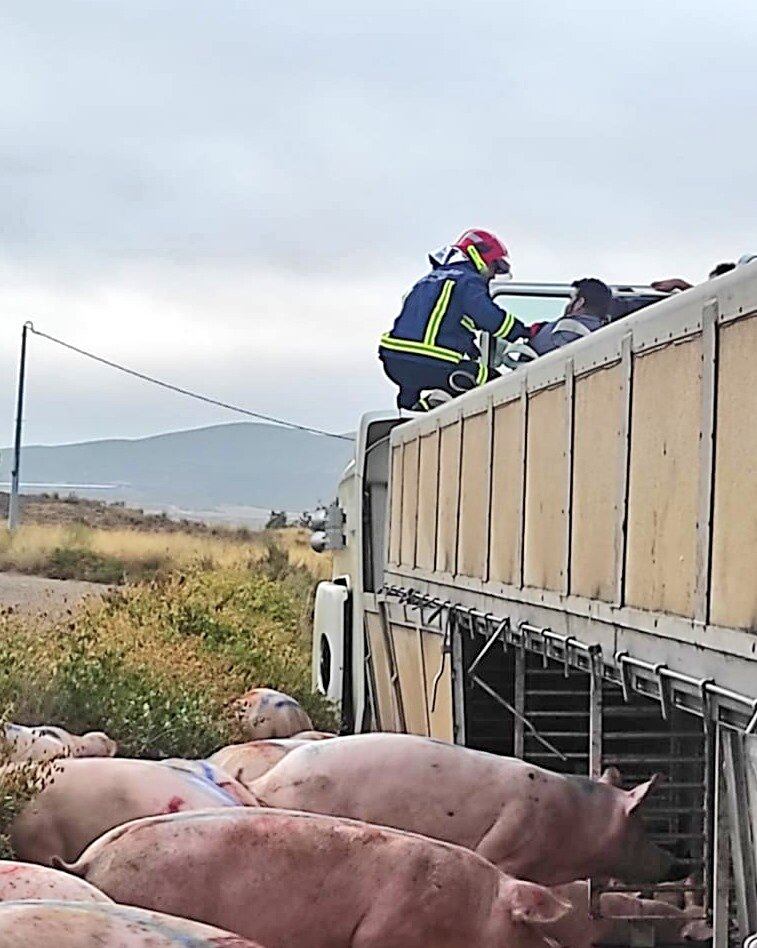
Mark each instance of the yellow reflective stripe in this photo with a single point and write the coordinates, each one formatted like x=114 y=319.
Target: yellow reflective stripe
x=437 y=313
x=481 y=375
x=420 y=348
x=468 y=323
x=477 y=259
x=507 y=324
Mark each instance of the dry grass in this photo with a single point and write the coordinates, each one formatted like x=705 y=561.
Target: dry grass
x=114 y=555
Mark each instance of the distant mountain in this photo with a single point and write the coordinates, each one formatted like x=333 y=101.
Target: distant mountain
x=205 y=469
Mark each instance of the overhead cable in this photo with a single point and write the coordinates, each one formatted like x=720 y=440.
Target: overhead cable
x=185 y=391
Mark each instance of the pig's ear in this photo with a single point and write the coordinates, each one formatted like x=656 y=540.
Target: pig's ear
x=534 y=903
x=636 y=797
x=611 y=776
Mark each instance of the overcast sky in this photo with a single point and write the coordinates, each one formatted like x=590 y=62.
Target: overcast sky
x=235 y=195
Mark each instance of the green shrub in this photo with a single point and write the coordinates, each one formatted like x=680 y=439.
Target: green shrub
x=71 y=562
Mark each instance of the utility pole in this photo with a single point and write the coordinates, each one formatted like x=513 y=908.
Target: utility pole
x=13 y=501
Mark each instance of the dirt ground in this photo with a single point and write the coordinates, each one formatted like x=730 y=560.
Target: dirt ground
x=36 y=594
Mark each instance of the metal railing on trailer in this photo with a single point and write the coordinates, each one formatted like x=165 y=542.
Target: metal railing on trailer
x=638 y=716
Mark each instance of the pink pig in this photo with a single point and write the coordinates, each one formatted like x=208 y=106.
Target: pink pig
x=263 y=712
x=532 y=823
x=87 y=797
x=246 y=762
x=300 y=880
x=40 y=924
x=24 y=880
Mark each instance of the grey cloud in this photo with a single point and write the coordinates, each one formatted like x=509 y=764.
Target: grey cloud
x=221 y=165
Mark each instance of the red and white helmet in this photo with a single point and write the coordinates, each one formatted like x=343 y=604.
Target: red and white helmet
x=485 y=250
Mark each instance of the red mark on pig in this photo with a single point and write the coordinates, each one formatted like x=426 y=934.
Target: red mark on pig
x=174 y=805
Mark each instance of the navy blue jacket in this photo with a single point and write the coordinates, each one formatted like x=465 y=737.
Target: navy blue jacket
x=441 y=312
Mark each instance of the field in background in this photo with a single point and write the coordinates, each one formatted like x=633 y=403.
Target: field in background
x=118 y=555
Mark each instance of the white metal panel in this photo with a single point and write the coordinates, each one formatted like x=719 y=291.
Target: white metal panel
x=328 y=639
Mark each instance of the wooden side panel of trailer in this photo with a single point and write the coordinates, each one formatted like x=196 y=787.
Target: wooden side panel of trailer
x=616 y=480
x=507 y=493
x=734 y=542
x=438 y=685
x=598 y=454
x=409 y=504
x=389 y=719
x=546 y=486
x=471 y=554
x=449 y=492
x=428 y=497
x=395 y=508
x=663 y=481
x=407 y=651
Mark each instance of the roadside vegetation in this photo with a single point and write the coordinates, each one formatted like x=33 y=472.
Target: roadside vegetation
x=157 y=663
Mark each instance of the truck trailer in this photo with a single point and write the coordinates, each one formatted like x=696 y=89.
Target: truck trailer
x=561 y=565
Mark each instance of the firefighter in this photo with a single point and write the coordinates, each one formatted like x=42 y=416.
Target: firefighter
x=431 y=345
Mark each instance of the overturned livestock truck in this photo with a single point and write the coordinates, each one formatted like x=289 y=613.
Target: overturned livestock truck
x=562 y=565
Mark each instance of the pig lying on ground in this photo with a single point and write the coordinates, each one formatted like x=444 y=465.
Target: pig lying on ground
x=578 y=929
x=23 y=880
x=86 y=925
x=247 y=762
x=91 y=744
x=23 y=744
x=264 y=712
x=531 y=823
x=85 y=798
x=300 y=880
x=48 y=742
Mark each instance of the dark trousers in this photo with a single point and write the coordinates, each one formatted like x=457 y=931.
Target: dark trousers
x=416 y=374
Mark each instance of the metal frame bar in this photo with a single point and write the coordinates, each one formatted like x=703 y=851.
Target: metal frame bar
x=621 y=524
x=623 y=668
x=604 y=622
x=742 y=844
x=565 y=290
x=570 y=386
x=393 y=670
x=706 y=461
x=596 y=704
x=489 y=490
x=521 y=551
x=721 y=882
x=458 y=683
x=417 y=502
x=394 y=494
x=519 y=700
x=458 y=496
x=370 y=675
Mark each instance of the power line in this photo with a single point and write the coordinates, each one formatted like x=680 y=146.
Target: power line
x=185 y=391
